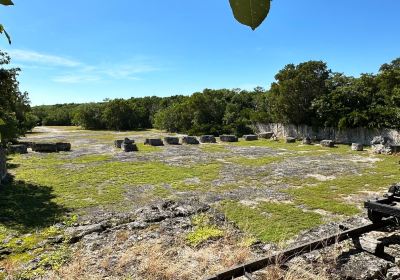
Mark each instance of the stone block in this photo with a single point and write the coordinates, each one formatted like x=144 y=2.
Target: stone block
x=266 y=135
x=18 y=149
x=357 y=147
x=129 y=147
x=44 y=147
x=290 y=140
x=154 y=142
x=327 y=143
x=118 y=143
x=63 y=147
x=250 y=137
x=307 y=141
x=190 y=140
x=228 y=138
x=171 y=140
x=208 y=139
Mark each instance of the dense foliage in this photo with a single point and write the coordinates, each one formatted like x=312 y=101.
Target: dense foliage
x=15 y=116
x=307 y=93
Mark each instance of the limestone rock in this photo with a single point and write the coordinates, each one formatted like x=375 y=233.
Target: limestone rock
x=208 y=139
x=228 y=138
x=77 y=233
x=307 y=141
x=327 y=143
x=357 y=147
x=118 y=143
x=250 y=137
x=382 y=149
x=290 y=140
x=266 y=135
x=393 y=273
x=154 y=142
x=129 y=147
x=18 y=149
x=379 y=140
x=364 y=266
x=171 y=140
x=190 y=140
x=44 y=148
x=63 y=147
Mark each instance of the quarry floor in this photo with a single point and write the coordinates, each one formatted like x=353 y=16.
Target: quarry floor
x=176 y=212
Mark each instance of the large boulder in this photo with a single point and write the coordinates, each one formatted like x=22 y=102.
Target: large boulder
x=382 y=140
x=171 y=140
x=250 y=137
x=327 y=143
x=63 y=147
x=208 y=139
x=290 y=140
x=228 y=138
x=154 y=142
x=382 y=149
x=190 y=140
x=18 y=149
x=357 y=147
x=266 y=135
x=44 y=147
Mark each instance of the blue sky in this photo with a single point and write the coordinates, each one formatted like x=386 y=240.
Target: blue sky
x=89 y=50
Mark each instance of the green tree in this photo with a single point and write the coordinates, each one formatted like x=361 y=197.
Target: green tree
x=295 y=89
x=14 y=104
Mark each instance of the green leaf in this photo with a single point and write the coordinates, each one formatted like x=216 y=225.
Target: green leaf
x=6 y=2
x=250 y=12
x=2 y=122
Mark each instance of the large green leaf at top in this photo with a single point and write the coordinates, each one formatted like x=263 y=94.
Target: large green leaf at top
x=6 y=2
x=250 y=12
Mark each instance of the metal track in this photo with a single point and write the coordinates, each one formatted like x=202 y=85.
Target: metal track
x=282 y=257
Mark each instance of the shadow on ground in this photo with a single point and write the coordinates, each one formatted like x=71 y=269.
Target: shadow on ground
x=25 y=207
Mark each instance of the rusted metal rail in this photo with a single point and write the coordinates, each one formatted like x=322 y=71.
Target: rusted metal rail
x=282 y=257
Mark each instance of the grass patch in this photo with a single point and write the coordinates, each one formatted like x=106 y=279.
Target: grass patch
x=203 y=231
x=270 y=222
x=329 y=195
x=104 y=183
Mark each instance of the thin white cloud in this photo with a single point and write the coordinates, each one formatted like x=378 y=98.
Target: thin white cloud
x=27 y=56
x=75 y=79
x=70 y=71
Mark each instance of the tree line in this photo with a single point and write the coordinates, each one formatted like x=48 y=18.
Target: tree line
x=307 y=93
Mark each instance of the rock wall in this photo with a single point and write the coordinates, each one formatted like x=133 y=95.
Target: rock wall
x=345 y=136
x=3 y=169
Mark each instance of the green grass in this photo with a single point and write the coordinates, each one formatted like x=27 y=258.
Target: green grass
x=329 y=195
x=105 y=182
x=203 y=231
x=270 y=222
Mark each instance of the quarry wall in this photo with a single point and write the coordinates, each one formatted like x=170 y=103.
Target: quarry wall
x=345 y=136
